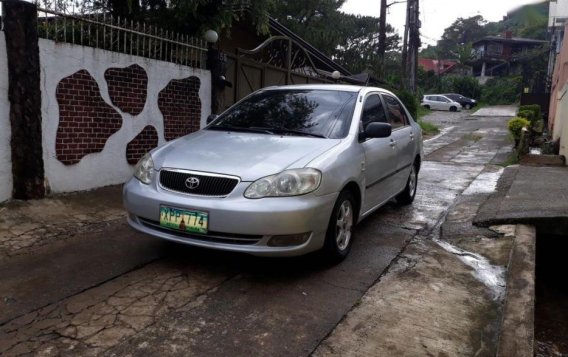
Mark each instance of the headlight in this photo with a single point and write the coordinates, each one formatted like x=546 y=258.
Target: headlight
x=287 y=183
x=144 y=169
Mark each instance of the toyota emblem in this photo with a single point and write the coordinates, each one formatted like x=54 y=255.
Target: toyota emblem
x=192 y=183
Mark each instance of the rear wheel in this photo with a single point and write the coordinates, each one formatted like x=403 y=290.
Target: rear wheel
x=406 y=197
x=339 y=236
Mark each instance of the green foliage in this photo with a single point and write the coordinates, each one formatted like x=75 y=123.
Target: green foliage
x=409 y=101
x=534 y=109
x=516 y=125
x=527 y=21
x=466 y=86
x=462 y=31
x=349 y=39
x=527 y=114
x=428 y=128
x=502 y=90
x=188 y=16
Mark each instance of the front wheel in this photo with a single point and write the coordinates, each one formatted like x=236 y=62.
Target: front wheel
x=453 y=109
x=339 y=235
x=467 y=106
x=406 y=197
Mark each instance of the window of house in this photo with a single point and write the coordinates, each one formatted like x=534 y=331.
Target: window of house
x=494 y=48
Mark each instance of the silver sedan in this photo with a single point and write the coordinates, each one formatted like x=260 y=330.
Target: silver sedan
x=284 y=172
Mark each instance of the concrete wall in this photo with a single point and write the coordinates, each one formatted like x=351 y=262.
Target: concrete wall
x=557 y=9
x=109 y=166
x=558 y=111
x=5 y=132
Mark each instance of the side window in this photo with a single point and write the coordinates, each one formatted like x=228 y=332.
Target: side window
x=397 y=115
x=373 y=111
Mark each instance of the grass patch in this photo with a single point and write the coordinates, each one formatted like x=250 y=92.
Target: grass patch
x=422 y=112
x=428 y=128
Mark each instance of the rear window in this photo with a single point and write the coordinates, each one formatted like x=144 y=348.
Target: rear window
x=321 y=112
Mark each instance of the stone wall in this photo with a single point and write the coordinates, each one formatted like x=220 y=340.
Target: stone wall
x=103 y=110
x=5 y=132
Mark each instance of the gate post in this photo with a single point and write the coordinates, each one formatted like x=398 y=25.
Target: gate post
x=24 y=94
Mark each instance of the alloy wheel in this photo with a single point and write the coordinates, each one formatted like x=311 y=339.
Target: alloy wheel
x=344 y=225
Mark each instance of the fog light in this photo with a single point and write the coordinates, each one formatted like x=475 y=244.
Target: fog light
x=288 y=240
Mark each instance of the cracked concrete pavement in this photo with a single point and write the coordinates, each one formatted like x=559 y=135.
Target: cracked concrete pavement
x=26 y=225
x=413 y=284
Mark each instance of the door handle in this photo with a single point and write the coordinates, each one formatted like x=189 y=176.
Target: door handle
x=392 y=143
x=411 y=136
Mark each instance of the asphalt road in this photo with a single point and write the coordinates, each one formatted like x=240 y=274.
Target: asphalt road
x=121 y=293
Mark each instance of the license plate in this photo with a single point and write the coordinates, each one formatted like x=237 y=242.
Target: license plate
x=184 y=220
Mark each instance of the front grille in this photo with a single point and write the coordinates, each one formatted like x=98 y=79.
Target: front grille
x=230 y=238
x=209 y=185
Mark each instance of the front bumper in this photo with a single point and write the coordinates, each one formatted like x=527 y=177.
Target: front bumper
x=235 y=222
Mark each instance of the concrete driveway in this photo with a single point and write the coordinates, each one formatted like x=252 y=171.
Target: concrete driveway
x=405 y=289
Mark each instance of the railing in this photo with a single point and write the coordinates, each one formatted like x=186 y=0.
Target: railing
x=121 y=35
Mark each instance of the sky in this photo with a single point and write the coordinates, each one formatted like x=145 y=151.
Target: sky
x=436 y=15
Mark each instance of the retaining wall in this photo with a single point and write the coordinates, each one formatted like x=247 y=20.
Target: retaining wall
x=5 y=132
x=101 y=111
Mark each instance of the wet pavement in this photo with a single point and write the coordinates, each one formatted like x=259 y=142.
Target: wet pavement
x=422 y=271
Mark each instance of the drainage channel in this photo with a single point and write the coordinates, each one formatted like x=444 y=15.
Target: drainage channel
x=551 y=310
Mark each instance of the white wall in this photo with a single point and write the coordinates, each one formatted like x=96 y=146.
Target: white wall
x=558 y=9
x=5 y=129
x=108 y=167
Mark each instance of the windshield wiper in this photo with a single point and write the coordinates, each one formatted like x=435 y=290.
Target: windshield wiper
x=299 y=132
x=288 y=131
x=241 y=129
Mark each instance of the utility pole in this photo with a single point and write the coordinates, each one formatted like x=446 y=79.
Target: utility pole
x=382 y=38
x=413 y=25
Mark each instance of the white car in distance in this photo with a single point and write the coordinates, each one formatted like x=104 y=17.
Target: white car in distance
x=440 y=102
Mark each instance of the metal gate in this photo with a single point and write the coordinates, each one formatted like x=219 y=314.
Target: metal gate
x=277 y=61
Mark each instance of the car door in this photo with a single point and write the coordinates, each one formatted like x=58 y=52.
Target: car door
x=403 y=137
x=380 y=163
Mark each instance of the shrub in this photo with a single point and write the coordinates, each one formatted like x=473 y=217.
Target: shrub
x=466 y=86
x=516 y=125
x=502 y=90
x=527 y=114
x=535 y=108
x=409 y=101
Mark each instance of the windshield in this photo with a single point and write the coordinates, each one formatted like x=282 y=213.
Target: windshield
x=321 y=113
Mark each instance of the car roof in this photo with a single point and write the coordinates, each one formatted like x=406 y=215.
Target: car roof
x=336 y=87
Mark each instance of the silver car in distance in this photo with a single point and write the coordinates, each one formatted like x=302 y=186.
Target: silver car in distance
x=284 y=172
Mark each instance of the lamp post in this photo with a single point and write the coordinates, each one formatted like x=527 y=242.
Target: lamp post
x=216 y=63
x=335 y=75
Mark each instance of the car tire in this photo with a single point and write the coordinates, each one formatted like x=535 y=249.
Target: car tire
x=427 y=106
x=407 y=195
x=339 y=235
x=453 y=109
x=467 y=106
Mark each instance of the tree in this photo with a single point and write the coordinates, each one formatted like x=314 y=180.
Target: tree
x=349 y=39
x=463 y=53
x=189 y=16
x=462 y=31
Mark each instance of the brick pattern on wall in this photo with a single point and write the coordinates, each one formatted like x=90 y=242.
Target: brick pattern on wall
x=181 y=107
x=145 y=141
x=127 y=88
x=86 y=121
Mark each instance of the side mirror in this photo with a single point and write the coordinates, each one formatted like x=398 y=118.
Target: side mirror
x=211 y=117
x=378 y=130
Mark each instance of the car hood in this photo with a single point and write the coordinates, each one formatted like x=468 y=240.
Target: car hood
x=247 y=155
